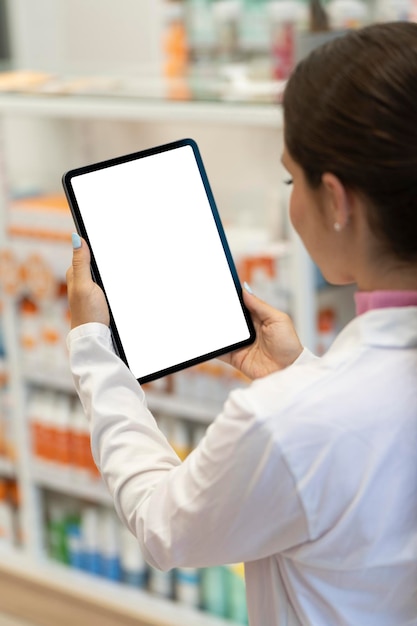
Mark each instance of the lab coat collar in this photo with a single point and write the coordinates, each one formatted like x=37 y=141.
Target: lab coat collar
x=394 y=327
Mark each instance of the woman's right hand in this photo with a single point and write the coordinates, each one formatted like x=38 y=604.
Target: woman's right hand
x=276 y=345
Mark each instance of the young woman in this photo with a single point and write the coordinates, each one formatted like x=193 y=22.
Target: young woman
x=309 y=475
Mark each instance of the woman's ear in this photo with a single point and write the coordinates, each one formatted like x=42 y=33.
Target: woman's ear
x=337 y=201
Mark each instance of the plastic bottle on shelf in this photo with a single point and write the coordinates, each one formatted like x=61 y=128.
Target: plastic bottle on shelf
x=260 y=271
x=187 y=586
x=2 y=338
x=90 y=540
x=161 y=583
x=180 y=438
x=134 y=567
x=33 y=403
x=2 y=424
x=9 y=442
x=214 y=590
x=60 y=448
x=29 y=332
x=237 y=609
x=175 y=40
x=49 y=421
x=254 y=36
x=41 y=418
x=7 y=531
x=81 y=461
x=200 y=35
x=63 y=321
x=35 y=417
x=51 y=336
x=109 y=541
x=74 y=540
x=15 y=502
x=79 y=437
x=347 y=14
x=287 y=17
x=56 y=530
x=226 y=20
x=326 y=329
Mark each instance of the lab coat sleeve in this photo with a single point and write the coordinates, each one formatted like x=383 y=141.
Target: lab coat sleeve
x=233 y=499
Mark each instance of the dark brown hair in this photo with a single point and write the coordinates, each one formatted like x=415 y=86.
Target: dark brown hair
x=350 y=108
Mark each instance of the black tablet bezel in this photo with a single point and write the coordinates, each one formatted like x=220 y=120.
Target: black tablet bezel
x=79 y=223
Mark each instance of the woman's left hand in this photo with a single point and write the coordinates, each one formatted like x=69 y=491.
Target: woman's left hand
x=86 y=299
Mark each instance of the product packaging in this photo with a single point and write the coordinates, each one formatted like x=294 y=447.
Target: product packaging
x=161 y=583
x=187 y=586
x=214 y=593
x=109 y=540
x=91 y=540
x=133 y=565
x=237 y=610
x=287 y=18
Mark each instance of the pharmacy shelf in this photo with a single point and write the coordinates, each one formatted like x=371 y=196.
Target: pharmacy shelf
x=199 y=411
x=58 y=379
x=136 y=109
x=66 y=482
x=82 y=589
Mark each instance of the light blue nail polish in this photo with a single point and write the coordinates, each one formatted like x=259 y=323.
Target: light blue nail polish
x=248 y=289
x=76 y=241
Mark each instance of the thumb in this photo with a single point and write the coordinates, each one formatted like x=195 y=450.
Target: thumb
x=261 y=310
x=80 y=258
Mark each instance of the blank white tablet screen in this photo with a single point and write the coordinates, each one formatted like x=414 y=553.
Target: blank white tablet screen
x=161 y=260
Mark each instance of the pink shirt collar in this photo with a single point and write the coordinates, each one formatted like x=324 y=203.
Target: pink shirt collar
x=368 y=300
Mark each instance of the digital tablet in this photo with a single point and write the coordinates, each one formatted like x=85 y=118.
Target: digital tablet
x=159 y=252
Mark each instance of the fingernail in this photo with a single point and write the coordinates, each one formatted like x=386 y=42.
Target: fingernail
x=248 y=289
x=76 y=241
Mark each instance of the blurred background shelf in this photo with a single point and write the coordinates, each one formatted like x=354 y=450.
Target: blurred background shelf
x=141 y=109
x=77 y=598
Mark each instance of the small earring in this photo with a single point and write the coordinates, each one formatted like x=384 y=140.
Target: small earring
x=337 y=227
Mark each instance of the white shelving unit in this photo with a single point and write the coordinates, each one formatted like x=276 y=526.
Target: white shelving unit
x=142 y=110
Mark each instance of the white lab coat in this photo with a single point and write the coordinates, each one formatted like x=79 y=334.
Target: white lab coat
x=309 y=476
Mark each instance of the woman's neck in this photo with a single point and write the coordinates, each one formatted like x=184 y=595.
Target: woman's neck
x=388 y=276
